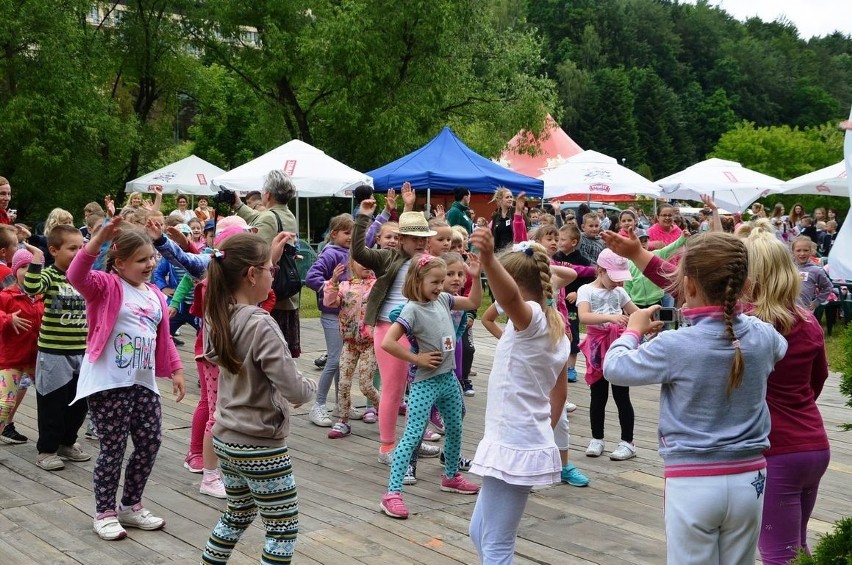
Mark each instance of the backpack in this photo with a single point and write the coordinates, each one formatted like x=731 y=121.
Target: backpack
x=287 y=281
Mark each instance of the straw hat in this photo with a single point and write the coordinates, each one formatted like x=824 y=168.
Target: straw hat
x=414 y=223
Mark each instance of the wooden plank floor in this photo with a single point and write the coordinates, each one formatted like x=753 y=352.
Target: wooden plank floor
x=45 y=518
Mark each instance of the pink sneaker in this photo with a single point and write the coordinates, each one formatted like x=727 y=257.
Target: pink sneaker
x=458 y=484
x=394 y=506
x=193 y=462
x=339 y=430
x=436 y=421
x=429 y=435
x=370 y=416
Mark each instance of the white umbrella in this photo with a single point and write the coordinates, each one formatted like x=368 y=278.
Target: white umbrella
x=590 y=172
x=828 y=181
x=187 y=176
x=731 y=185
x=314 y=173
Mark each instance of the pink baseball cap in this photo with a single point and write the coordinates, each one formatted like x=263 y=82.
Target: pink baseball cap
x=615 y=266
x=232 y=221
x=224 y=234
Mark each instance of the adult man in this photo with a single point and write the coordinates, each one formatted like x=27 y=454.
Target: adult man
x=459 y=213
x=5 y=197
x=277 y=191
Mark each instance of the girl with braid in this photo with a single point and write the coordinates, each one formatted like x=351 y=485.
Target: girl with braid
x=518 y=450
x=714 y=421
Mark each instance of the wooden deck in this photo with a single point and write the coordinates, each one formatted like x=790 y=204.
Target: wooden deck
x=45 y=518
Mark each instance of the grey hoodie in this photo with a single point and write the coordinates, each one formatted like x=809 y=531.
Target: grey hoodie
x=252 y=407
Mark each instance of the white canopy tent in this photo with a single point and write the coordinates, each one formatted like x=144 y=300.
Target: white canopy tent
x=314 y=173
x=732 y=186
x=828 y=181
x=189 y=176
x=840 y=256
x=590 y=172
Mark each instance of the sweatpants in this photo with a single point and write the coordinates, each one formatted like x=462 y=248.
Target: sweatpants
x=599 y=394
x=394 y=375
x=256 y=478
x=58 y=423
x=334 y=345
x=117 y=413
x=495 y=520
x=714 y=520
x=442 y=390
x=792 y=483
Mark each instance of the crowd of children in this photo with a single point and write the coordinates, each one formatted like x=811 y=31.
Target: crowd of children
x=94 y=328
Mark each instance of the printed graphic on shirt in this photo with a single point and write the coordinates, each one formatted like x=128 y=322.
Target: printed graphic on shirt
x=448 y=343
x=147 y=314
x=134 y=352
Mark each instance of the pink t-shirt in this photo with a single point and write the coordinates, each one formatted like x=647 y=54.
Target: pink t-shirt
x=657 y=233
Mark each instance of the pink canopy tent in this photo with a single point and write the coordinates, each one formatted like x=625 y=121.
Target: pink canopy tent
x=552 y=147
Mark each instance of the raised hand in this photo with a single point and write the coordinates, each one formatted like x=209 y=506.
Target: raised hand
x=627 y=247
x=708 y=201
x=390 y=200
x=154 y=229
x=178 y=237
x=106 y=232
x=109 y=205
x=368 y=207
x=439 y=212
x=520 y=203
x=473 y=267
x=483 y=241
x=408 y=197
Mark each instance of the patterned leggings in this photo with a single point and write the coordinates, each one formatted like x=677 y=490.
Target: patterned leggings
x=256 y=478
x=117 y=413
x=9 y=381
x=357 y=358
x=444 y=391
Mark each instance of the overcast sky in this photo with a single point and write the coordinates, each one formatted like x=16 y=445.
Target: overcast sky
x=812 y=17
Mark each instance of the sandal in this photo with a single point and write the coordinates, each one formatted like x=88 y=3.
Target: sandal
x=339 y=430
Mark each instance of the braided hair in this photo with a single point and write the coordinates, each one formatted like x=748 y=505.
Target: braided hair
x=531 y=270
x=717 y=263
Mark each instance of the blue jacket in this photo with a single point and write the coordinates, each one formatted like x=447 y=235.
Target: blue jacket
x=322 y=270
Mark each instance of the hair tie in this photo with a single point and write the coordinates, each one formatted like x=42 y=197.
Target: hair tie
x=550 y=302
x=736 y=344
x=523 y=247
x=425 y=259
x=114 y=247
x=217 y=254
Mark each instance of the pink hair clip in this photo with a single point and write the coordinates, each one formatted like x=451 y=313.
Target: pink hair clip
x=425 y=259
x=736 y=344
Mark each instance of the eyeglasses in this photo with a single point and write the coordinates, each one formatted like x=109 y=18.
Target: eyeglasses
x=667 y=215
x=273 y=270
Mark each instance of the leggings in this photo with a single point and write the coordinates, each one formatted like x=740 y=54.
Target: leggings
x=597 y=409
x=444 y=391
x=792 y=483
x=334 y=344
x=393 y=374
x=495 y=520
x=357 y=358
x=117 y=413
x=256 y=479
x=9 y=381
x=203 y=417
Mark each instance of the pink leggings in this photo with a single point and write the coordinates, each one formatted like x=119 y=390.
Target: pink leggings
x=203 y=417
x=393 y=373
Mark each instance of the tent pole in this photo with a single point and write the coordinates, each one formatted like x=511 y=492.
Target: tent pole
x=308 y=212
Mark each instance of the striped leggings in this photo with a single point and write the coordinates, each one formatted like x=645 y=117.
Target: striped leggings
x=256 y=479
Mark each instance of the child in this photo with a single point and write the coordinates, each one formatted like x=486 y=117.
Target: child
x=128 y=347
x=257 y=381
x=518 y=450
x=357 y=356
x=20 y=322
x=336 y=252
x=426 y=320
x=591 y=244
x=816 y=286
x=568 y=254
x=390 y=266
x=388 y=236
x=602 y=306
x=642 y=291
x=442 y=240
x=8 y=246
x=61 y=345
x=713 y=423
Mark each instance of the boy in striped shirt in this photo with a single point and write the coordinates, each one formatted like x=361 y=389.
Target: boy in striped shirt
x=61 y=345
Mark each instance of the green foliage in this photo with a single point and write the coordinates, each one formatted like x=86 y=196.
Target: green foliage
x=846 y=377
x=834 y=548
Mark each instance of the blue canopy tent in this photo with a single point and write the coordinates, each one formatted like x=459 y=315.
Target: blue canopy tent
x=445 y=163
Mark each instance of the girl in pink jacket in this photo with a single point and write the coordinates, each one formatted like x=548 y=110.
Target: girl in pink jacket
x=127 y=348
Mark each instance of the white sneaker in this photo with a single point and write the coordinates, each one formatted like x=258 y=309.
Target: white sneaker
x=109 y=529
x=623 y=452
x=570 y=407
x=386 y=458
x=427 y=450
x=319 y=416
x=138 y=517
x=596 y=447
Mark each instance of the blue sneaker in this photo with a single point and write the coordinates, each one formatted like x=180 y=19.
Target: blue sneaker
x=573 y=476
x=572 y=375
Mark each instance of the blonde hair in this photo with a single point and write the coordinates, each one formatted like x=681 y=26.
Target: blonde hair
x=57 y=217
x=341 y=222
x=500 y=193
x=461 y=231
x=532 y=274
x=437 y=223
x=775 y=281
x=451 y=257
x=806 y=240
x=717 y=263
x=421 y=265
x=543 y=230
x=130 y=197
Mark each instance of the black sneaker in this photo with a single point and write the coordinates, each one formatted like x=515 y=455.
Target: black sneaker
x=467 y=387
x=464 y=464
x=11 y=435
x=410 y=477
x=320 y=361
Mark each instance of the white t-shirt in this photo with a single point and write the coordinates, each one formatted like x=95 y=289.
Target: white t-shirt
x=129 y=357
x=394 y=296
x=603 y=301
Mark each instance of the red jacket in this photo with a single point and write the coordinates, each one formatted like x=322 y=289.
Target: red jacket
x=18 y=350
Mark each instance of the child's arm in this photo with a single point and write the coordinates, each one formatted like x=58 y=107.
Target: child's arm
x=669 y=249
x=370 y=258
x=489 y=321
x=425 y=359
x=503 y=286
x=586 y=316
x=824 y=286
x=474 y=299
x=558 y=396
x=561 y=276
x=320 y=271
x=181 y=292
x=331 y=287
x=159 y=278
x=390 y=204
x=715 y=219
x=89 y=283
x=193 y=264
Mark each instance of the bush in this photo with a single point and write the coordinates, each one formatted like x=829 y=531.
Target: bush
x=846 y=377
x=834 y=548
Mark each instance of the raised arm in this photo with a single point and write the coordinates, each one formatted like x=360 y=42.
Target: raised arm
x=506 y=291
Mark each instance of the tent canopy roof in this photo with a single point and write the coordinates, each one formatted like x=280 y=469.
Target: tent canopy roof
x=188 y=176
x=445 y=163
x=553 y=146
